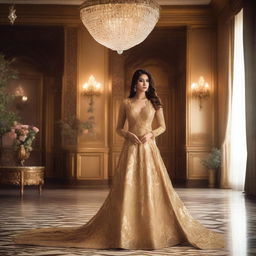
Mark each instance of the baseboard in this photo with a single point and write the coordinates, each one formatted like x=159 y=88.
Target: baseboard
x=66 y=183
x=190 y=183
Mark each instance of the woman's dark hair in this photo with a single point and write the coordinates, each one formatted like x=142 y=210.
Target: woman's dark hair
x=150 y=93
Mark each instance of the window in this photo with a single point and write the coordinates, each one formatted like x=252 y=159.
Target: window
x=238 y=151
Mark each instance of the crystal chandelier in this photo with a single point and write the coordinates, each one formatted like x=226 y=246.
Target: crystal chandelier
x=119 y=24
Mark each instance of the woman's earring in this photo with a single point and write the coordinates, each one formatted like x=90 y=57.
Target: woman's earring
x=134 y=89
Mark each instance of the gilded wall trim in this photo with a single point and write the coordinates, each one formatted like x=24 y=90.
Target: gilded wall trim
x=200 y=130
x=91 y=166
x=195 y=168
x=193 y=16
x=42 y=14
x=69 y=15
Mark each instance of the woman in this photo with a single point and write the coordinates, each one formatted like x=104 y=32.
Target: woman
x=142 y=210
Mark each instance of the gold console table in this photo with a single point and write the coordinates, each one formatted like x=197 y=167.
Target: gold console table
x=22 y=175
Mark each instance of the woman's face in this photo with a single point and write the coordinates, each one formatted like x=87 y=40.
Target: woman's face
x=142 y=83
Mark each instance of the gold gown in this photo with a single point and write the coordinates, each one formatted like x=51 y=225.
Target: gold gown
x=142 y=210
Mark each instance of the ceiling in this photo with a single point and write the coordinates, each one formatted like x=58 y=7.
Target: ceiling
x=79 y=2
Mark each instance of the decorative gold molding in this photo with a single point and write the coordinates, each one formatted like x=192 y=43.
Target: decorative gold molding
x=94 y=161
x=204 y=148
x=22 y=175
x=38 y=14
x=202 y=138
x=92 y=149
x=193 y=16
x=230 y=7
x=69 y=15
x=195 y=170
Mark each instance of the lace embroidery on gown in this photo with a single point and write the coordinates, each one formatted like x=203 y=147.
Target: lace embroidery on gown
x=142 y=210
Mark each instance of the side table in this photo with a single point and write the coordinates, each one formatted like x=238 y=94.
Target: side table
x=22 y=175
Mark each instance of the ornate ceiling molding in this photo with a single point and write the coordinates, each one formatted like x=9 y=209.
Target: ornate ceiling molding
x=79 y=2
x=196 y=16
x=69 y=15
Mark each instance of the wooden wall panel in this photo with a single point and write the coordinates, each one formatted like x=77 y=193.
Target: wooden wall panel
x=200 y=122
x=196 y=170
x=40 y=66
x=71 y=165
x=98 y=67
x=160 y=58
x=83 y=55
x=90 y=166
x=69 y=92
x=196 y=16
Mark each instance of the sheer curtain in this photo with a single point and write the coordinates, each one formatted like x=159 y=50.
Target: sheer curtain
x=234 y=147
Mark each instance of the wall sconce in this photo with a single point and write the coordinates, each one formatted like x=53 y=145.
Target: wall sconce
x=20 y=98
x=21 y=101
x=92 y=88
x=200 y=90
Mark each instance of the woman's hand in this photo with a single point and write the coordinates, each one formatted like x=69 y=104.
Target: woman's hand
x=146 y=137
x=133 y=138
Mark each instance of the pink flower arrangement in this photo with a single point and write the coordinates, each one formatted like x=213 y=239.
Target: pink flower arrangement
x=23 y=135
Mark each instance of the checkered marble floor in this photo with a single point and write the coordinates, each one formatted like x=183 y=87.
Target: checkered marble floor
x=225 y=211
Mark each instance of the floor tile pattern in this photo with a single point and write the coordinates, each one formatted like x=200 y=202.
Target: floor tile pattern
x=225 y=211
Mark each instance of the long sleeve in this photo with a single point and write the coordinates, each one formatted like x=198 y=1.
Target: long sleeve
x=160 y=121
x=121 y=121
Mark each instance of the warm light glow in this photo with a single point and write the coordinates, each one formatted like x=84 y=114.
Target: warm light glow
x=193 y=85
x=201 y=81
x=20 y=94
x=92 y=87
x=200 y=90
x=24 y=98
x=19 y=91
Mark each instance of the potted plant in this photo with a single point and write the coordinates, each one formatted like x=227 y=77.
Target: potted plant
x=23 y=137
x=72 y=127
x=7 y=117
x=212 y=163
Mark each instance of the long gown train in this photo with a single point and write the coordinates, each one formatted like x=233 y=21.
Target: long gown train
x=142 y=210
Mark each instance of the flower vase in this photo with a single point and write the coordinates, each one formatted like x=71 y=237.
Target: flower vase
x=211 y=178
x=22 y=155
